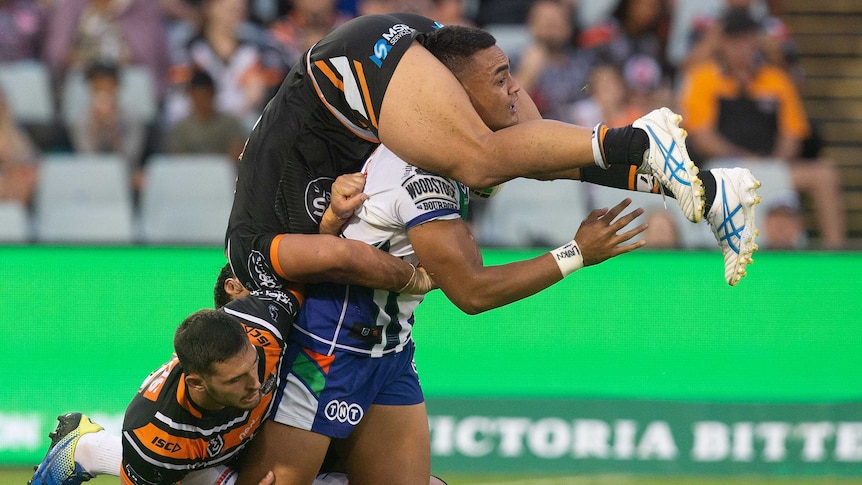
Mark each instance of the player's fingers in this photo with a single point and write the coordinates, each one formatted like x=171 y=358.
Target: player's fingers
x=625 y=236
x=616 y=210
x=627 y=219
x=627 y=248
x=595 y=215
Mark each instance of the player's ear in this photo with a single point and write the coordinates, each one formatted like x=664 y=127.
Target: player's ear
x=195 y=381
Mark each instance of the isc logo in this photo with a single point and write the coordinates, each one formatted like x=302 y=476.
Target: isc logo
x=166 y=445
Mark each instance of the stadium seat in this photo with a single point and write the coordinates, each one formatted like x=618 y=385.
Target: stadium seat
x=14 y=222
x=137 y=94
x=84 y=199
x=532 y=213
x=27 y=88
x=187 y=199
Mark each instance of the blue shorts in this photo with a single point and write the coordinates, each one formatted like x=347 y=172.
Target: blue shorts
x=329 y=394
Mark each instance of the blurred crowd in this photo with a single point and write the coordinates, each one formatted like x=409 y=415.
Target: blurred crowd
x=209 y=67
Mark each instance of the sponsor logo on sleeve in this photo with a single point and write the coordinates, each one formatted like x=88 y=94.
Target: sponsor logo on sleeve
x=384 y=44
x=430 y=192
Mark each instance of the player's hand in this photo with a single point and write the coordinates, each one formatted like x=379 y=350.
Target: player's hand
x=347 y=194
x=599 y=236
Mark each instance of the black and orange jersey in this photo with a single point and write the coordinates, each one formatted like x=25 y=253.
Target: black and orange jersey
x=166 y=435
x=321 y=123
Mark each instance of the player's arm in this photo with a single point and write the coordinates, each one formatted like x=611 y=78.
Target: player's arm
x=327 y=257
x=426 y=118
x=451 y=256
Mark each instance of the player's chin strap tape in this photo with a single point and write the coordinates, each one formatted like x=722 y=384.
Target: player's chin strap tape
x=568 y=258
x=598 y=135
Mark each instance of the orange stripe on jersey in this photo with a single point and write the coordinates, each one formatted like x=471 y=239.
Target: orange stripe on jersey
x=632 y=177
x=273 y=256
x=323 y=100
x=161 y=443
x=365 y=93
x=324 y=68
x=295 y=289
x=323 y=361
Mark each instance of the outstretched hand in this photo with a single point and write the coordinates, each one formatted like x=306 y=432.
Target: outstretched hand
x=599 y=238
x=347 y=194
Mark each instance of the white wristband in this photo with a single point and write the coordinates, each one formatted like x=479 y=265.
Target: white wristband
x=568 y=258
x=597 y=147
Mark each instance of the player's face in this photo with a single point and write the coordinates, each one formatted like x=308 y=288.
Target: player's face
x=492 y=89
x=234 y=382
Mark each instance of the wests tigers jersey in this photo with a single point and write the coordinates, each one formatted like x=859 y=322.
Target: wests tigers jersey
x=321 y=123
x=166 y=435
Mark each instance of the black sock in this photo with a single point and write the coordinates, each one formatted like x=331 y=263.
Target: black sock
x=710 y=188
x=623 y=177
x=625 y=146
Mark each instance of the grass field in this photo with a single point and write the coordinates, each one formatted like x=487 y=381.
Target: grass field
x=20 y=477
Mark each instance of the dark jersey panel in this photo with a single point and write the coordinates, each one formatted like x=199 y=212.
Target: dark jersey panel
x=166 y=435
x=320 y=124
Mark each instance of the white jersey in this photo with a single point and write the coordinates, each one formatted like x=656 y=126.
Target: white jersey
x=368 y=321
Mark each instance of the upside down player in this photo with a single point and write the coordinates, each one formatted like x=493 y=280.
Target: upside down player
x=198 y=417
x=371 y=81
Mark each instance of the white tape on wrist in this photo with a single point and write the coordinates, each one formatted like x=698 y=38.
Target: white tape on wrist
x=568 y=258
x=597 y=147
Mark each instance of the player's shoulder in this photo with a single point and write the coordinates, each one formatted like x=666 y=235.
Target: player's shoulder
x=270 y=309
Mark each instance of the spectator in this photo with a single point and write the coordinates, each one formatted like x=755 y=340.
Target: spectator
x=783 y=227
x=636 y=27
x=18 y=159
x=242 y=59
x=775 y=42
x=104 y=127
x=736 y=105
x=22 y=29
x=448 y=12
x=662 y=231
x=553 y=70
x=306 y=23
x=205 y=129
x=120 y=32
x=609 y=101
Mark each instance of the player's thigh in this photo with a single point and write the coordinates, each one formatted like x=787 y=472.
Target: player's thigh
x=293 y=454
x=426 y=97
x=400 y=433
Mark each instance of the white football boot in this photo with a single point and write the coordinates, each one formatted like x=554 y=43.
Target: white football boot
x=668 y=160
x=731 y=219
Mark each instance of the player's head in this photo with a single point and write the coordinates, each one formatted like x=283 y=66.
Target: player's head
x=219 y=362
x=227 y=287
x=482 y=68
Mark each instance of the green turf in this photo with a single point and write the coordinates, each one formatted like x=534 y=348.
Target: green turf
x=17 y=476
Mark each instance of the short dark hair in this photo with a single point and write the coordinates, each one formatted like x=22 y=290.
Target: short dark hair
x=738 y=21
x=101 y=68
x=453 y=45
x=220 y=296
x=201 y=78
x=207 y=337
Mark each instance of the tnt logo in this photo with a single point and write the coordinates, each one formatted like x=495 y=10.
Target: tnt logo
x=343 y=412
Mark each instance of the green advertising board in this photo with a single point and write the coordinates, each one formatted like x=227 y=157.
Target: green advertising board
x=648 y=362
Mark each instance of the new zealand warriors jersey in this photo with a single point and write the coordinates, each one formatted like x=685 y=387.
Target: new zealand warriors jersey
x=363 y=320
x=321 y=123
x=166 y=435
